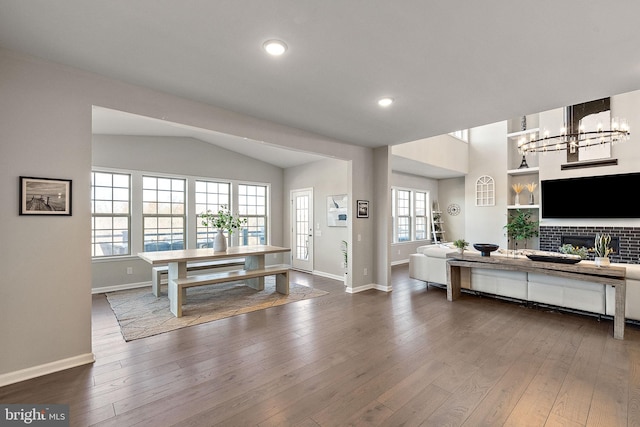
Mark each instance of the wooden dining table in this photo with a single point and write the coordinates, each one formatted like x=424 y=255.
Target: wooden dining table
x=254 y=259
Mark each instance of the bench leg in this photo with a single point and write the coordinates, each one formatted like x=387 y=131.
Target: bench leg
x=282 y=283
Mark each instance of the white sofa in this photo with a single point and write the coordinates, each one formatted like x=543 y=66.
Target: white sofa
x=429 y=264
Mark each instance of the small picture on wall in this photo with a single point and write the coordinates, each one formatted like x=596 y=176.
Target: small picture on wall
x=337 y=210
x=45 y=196
x=363 y=209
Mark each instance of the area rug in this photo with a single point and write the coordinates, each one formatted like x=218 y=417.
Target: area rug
x=141 y=314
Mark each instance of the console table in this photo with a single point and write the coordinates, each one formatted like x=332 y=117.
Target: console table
x=614 y=276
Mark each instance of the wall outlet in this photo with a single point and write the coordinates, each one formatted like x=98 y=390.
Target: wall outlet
x=129 y=270
x=366 y=271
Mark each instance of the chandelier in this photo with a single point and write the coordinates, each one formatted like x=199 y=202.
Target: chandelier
x=619 y=131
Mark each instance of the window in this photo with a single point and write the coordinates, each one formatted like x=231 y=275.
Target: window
x=209 y=196
x=462 y=135
x=163 y=213
x=420 y=215
x=403 y=211
x=110 y=214
x=409 y=215
x=252 y=205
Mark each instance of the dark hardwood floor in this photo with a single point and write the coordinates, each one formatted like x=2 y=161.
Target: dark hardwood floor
x=402 y=358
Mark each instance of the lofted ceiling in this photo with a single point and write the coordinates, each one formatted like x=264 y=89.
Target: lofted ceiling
x=448 y=64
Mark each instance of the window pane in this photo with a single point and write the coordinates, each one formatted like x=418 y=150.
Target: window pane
x=163 y=211
x=110 y=194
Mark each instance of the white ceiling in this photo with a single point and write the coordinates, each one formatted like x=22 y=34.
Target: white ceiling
x=449 y=64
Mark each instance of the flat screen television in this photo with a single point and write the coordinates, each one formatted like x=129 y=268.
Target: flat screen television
x=605 y=196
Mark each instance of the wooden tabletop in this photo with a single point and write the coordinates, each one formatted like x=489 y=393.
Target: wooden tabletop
x=523 y=263
x=184 y=255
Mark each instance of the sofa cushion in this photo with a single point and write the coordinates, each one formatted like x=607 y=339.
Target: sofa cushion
x=500 y=282
x=563 y=292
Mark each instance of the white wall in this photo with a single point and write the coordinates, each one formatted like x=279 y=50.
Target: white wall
x=45 y=297
x=452 y=190
x=184 y=157
x=487 y=156
x=443 y=151
x=325 y=177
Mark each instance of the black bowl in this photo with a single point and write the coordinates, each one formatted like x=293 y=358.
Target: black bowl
x=485 y=248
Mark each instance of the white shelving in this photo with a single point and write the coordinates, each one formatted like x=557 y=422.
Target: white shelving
x=437 y=223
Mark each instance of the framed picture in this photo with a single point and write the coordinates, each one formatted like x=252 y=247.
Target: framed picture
x=45 y=196
x=337 y=210
x=363 y=209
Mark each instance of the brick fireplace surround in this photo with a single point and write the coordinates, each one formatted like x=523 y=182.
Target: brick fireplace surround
x=627 y=240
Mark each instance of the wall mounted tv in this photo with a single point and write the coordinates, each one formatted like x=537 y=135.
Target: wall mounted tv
x=605 y=196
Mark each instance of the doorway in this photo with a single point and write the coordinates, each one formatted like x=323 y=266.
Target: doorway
x=302 y=229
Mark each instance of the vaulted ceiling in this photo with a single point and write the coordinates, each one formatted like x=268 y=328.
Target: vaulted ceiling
x=448 y=64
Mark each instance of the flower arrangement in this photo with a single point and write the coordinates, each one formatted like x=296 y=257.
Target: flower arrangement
x=531 y=186
x=574 y=250
x=223 y=219
x=517 y=188
x=601 y=246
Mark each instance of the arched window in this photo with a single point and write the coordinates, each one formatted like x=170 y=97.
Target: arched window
x=485 y=191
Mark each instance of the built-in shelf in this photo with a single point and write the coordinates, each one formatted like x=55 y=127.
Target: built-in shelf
x=523 y=206
x=523 y=171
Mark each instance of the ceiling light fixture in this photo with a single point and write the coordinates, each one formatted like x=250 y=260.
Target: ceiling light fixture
x=385 y=102
x=275 y=47
x=618 y=131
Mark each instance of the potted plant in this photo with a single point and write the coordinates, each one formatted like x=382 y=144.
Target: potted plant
x=223 y=220
x=521 y=227
x=574 y=250
x=461 y=245
x=602 y=249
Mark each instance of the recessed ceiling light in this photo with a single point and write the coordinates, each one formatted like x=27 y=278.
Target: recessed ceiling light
x=275 y=47
x=385 y=102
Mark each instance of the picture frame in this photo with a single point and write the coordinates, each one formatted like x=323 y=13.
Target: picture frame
x=45 y=196
x=337 y=206
x=362 y=209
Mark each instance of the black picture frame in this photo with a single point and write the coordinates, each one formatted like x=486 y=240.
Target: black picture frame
x=362 y=209
x=45 y=196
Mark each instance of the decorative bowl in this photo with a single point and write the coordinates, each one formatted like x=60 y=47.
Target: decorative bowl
x=485 y=248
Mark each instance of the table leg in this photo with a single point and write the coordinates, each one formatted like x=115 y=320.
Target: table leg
x=619 y=317
x=454 y=280
x=176 y=270
x=254 y=262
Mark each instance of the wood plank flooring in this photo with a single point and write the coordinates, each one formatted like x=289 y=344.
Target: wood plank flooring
x=404 y=358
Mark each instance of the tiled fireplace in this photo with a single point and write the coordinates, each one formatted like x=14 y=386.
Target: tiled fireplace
x=624 y=240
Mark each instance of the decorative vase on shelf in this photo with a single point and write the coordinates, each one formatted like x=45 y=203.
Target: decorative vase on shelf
x=220 y=242
x=531 y=198
x=602 y=261
x=517 y=200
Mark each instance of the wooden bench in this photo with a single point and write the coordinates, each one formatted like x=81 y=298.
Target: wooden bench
x=157 y=272
x=178 y=287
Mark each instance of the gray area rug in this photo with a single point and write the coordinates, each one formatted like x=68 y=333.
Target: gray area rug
x=140 y=314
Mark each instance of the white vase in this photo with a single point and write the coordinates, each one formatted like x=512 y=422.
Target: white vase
x=220 y=242
x=461 y=251
x=602 y=261
x=517 y=200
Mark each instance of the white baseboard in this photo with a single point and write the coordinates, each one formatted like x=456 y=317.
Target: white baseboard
x=328 y=275
x=47 y=368
x=124 y=287
x=400 y=262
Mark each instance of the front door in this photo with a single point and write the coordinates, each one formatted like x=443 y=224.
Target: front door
x=302 y=229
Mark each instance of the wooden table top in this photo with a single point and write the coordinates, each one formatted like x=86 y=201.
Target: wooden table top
x=523 y=263
x=184 y=255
